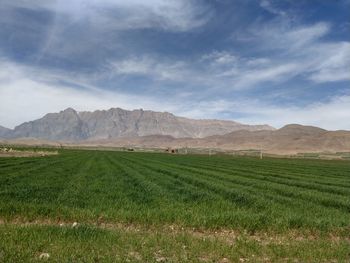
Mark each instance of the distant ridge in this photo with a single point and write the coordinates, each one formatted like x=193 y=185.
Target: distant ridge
x=290 y=139
x=70 y=125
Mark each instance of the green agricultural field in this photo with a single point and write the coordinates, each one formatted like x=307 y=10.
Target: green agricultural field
x=153 y=207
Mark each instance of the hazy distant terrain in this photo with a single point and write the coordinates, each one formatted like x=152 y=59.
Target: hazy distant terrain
x=122 y=128
x=289 y=139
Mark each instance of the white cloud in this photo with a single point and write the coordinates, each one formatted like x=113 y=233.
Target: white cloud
x=268 y=6
x=220 y=57
x=27 y=94
x=281 y=35
x=332 y=114
x=286 y=52
x=302 y=36
x=331 y=63
x=330 y=75
x=25 y=98
x=89 y=32
x=177 y=15
x=317 y=60
x=251 y=77
x=151 y=67
x=293 y=51
x=309 y=58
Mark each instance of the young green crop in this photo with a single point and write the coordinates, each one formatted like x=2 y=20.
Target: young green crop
x=157 y=191
x=189 y=190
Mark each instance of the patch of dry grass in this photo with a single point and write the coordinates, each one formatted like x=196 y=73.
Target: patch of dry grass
x=9 y=152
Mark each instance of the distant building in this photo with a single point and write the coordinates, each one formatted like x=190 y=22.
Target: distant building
x=171 y=150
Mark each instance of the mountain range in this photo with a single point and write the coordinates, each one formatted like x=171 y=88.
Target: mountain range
x=118 y=127
x=70 y=125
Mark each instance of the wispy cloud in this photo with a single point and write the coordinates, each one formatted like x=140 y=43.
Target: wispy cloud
x=293 y=51
x=332 y=62
x=175 y=55
x=301 y=52
x=84 y=33
x=25 y=98
x=280 y=34
x=27 y=94
x=269 y=6
x=151 y=67
x=332 y=114
x=177 y=15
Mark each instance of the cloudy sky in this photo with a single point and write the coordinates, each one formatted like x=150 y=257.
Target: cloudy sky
x=253 y=61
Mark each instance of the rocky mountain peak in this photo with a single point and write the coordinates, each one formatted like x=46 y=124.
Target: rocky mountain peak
x=298 y=129
x=69 y=111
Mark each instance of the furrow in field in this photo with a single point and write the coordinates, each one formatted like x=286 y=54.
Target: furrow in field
x=322 y=169
x=138 y=188
x=172 y=184
x=271 y=166
x=305 y=196
x=30 y=163
x=240 y=194
x=271 y=172
x=25 y=172
x=35 y=193
x=262 y=175
x=314 y=195
x=75 y=191
x=10 y=162
x=284 y=201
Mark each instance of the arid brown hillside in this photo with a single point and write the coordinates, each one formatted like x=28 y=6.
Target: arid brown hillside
x=289 y=139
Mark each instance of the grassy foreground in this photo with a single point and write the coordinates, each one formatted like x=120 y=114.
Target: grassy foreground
x=173 y=208
x=92 y=244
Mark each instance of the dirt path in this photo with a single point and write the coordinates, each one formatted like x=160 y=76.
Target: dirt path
x=228 y=235
x=26 y=153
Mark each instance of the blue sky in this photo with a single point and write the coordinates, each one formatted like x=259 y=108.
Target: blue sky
x=253 y=61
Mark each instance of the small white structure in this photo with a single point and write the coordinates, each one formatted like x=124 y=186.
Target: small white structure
x=44 y=256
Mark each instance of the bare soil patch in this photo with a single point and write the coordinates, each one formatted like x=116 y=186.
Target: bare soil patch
x=229 y=236
x=9 y=152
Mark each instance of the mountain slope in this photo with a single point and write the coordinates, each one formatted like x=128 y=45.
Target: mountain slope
x=289 y=139
x=65 y=125
x=4 y=132
x=69 y=125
